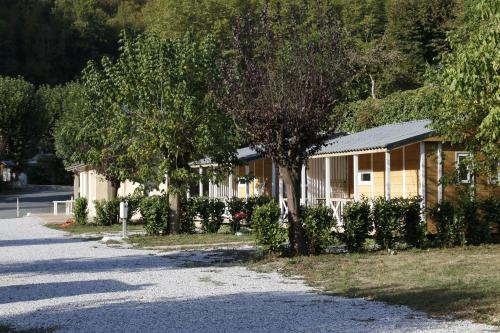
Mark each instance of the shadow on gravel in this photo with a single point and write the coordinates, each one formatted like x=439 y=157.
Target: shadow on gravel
x=132 y=263
x=35 y=292
x=242 y=312
x=43 y=241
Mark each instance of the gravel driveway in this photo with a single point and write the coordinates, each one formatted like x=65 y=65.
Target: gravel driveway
x=50 y=280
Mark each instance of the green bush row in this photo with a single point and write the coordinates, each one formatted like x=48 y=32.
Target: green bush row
x=470 y=222
x=80 y=211
x=392 y=221
x=318 y=224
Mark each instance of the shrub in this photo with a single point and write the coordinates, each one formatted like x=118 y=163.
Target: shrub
x=80 y=210
x=237 y=211
x=188 y=214
x=490 y=213
x=318 y=223
x=107 y=211
x=216 y=210
x=450 y=229
x=268 y=232
x=253 y=203
x=386 y=217
x=357 y=224
x=413 y=226
x=477 y=230
x=133 y=201
x=154 y=211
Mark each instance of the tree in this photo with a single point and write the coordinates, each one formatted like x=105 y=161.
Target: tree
x=417 y=29
x=154 y=110
x=469 y=83
x=282 y=89
x=22 y=122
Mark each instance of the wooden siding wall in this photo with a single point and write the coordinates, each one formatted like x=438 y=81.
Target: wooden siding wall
x=261 y=169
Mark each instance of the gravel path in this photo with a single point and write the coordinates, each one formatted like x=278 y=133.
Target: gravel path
x=50 y=280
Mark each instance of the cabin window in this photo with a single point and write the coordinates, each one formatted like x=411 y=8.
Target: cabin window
x=365 y=177
x=464 y=174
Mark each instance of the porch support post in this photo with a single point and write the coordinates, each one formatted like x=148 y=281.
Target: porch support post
x=215 y=191
x=273 y=180
x=210 y=188
x=303 y=195
x=440 y=171
x=200 y=183
x=421 y=190
x=404 y=172
x=247 y=182
x=355 y=164
x=387 y=175
x=328 y=182
x=230 y=187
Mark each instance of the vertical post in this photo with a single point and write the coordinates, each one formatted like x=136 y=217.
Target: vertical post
x=387 y=175
x=17 y=207
x=200 y=184
x=55 y=207
x=230 y=180
x=355 y=176
x=440 y=171
x=215 y=191
x=328 y=178
x=404 y=172
x=273 y=180
x=303 y=198
x=210 y=188
x=247 y=182
x=123 y=217
x=421 y=189
x=281 y=194
x=372 y=184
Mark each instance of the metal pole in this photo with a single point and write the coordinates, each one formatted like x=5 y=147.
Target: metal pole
x=17 y=207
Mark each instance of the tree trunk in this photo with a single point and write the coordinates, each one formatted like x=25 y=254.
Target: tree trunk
x=291 y=177
x=115 y=184
x=174 y=212
x=373 y=86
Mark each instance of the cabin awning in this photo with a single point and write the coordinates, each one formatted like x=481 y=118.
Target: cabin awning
x=382 y=138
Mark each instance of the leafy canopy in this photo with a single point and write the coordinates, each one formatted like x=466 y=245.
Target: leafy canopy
x=469 y=83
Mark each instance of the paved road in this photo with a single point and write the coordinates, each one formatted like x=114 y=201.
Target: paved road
x=35 y=199
x=50 y=280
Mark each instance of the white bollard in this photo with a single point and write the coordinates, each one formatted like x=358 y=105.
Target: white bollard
x=17 y=207
x=123 y=217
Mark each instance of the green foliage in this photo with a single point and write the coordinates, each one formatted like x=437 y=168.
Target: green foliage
x=268 y=231
x=254 y=202
x=417 y=29
x=106 y=211
x=490 y=212
x=80 y=211
x=236 y=206
x=318 y=224
x=189 y=213
x=470 y=86
x=49 y=170
x=357 y=224
x=154 y=211
x=22 y=122
x=413 y=226
x=386 y=218
x=451 y=230
x=397 y=220
x=398 y=107
x=216 y=210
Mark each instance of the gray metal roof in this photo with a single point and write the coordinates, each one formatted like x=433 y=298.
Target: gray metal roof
x=387 y=136
x=246 y=154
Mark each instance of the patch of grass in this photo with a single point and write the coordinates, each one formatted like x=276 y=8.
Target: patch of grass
x=10 y=329
x=461 y=282
x=188 y=239
x=94 y=228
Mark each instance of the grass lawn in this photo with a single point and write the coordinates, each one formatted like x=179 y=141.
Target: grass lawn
x=94 y=228
x=186 y=240
x=462 y=282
